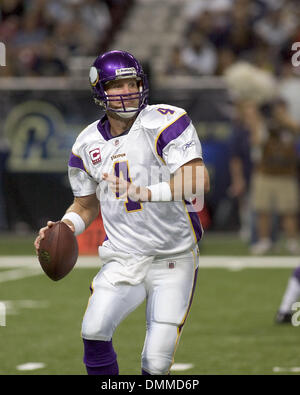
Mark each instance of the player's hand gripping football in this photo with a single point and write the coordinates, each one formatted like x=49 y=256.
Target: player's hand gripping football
x=42 y=231
x=126 y=189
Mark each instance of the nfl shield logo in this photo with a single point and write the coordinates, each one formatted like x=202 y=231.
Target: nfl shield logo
x=95 y=156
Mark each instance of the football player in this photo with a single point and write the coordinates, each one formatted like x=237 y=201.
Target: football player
x=290 y=296
x=144 y=164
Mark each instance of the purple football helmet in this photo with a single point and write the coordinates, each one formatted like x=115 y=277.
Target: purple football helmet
x=116 y=65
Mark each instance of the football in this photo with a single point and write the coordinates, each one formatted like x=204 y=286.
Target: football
x=58 y=251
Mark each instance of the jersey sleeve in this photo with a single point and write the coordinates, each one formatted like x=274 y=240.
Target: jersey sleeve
x=81 y=182
x=178 y=143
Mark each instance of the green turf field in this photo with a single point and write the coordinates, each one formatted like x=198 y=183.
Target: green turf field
x=230 y=328
x=212 y=244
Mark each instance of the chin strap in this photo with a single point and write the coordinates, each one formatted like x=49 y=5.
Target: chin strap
x=131 y=112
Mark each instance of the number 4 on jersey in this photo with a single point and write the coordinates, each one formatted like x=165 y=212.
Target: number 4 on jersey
x=165 y=111
x=121 y=170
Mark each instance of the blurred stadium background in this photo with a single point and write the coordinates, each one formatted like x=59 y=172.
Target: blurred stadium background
x=228 y=63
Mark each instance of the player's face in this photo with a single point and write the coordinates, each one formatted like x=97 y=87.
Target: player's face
x=123 y=87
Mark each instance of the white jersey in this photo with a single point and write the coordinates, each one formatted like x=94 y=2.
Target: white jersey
x=161 y=139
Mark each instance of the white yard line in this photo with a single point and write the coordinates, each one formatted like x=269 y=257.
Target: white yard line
x=14 y=306
x=18 y=261
x=181 y=366
x=227 y=262
x=17 y=274
x=241 y=262
x=31 y=366
x=295 y=369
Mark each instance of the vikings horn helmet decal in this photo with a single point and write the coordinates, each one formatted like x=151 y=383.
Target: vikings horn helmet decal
x=116 y=65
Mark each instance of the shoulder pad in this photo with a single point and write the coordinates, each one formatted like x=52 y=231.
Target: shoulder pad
x=85 y=136
x=160 y=115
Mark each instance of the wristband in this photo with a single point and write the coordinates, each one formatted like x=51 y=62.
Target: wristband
x=76 y=220
x=160 y=192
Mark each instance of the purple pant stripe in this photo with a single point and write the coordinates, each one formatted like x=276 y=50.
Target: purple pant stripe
x=191 y=300
x=297 y=273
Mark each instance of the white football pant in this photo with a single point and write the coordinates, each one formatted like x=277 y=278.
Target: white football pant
x=168 y=288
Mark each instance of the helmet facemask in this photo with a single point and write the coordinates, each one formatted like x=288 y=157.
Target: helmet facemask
x=126 y=110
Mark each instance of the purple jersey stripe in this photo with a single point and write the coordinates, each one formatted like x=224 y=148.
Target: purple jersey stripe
x=104 y=128
x=196 y=224
x=195 y=221
x=171 y=132
x=75 y=161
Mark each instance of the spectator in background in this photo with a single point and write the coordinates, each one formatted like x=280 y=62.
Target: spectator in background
x=262 y=56
x=239 y=35
x=30 y=33
x=276 y=27
x=58 y=11
x=199 y=55
x=275 y=186
x=226 y=58
x=252 y=30
x=95 y=16
x=76 y=27
x=245 y=126
x=26 y=43
x=176 y=65
x=289 y=85
x=212 y=24
x=47 y=63
x=11 y=8
x=86 y=27
x=68 y=39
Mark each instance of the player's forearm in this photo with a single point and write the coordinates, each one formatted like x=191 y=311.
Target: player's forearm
x=189 y=181
x=87 y=210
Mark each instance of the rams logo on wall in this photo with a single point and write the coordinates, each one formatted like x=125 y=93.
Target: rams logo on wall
x=40 y=140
